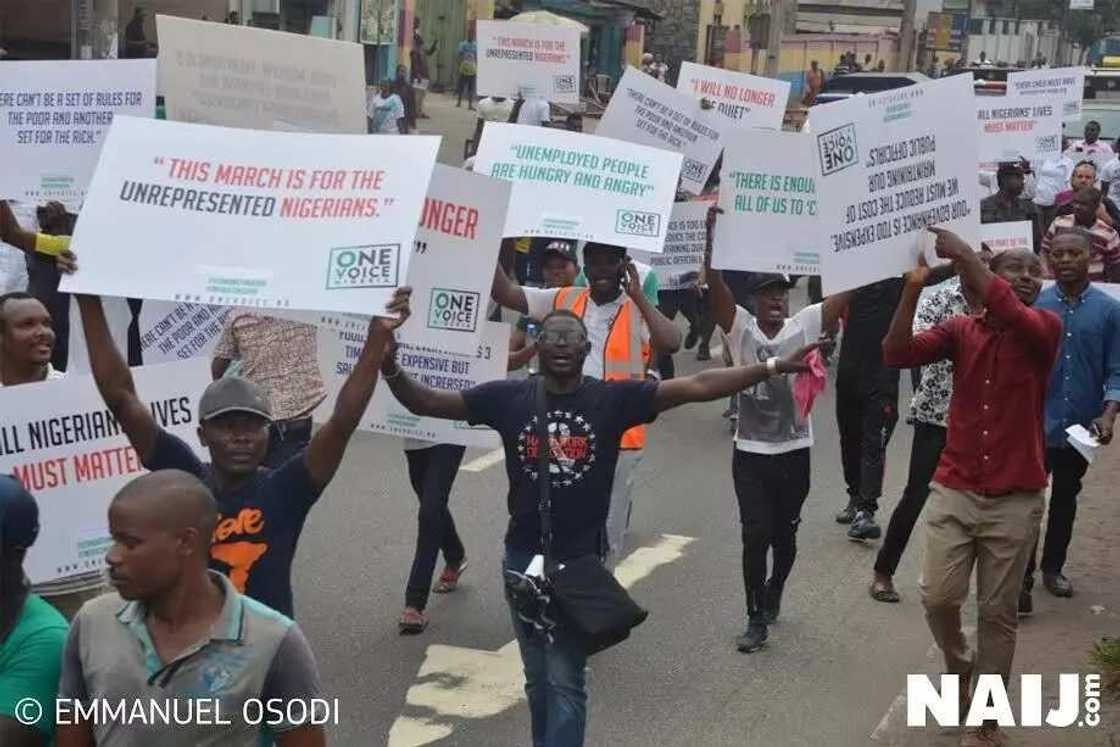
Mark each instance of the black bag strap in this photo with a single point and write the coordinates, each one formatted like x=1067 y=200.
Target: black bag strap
x=544 y=476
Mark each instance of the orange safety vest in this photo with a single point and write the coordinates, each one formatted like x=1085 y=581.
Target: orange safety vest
x=625 y=356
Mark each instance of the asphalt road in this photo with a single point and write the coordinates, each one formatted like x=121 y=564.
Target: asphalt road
x=835 y=661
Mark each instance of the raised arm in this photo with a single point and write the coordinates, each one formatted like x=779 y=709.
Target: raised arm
x=721 y=301
x=504 y=291
x=29 y=242
x=663 y=334
x=328 y=445
x=421 y=399
x=833 y=308
x=901 y=349
x=114 y=380
x=715 y=383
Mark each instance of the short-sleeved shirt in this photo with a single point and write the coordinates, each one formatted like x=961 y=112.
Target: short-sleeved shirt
x=278 y=355
x=259 y=523
x=585 y=427
x=1104 y=246
x=30 y=659
x=930 y=403
x=769 y=422
x=597 y=318
x=490 y=110
x=534 y=111
x=250 y=652
x=385 y=112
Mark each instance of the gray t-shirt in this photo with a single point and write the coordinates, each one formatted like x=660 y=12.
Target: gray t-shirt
x=252 y=652
x=768 y=419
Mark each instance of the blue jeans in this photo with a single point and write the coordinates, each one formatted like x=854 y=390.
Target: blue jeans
x=554 y=678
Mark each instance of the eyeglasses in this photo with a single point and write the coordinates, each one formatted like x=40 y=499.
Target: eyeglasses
x=557 y=336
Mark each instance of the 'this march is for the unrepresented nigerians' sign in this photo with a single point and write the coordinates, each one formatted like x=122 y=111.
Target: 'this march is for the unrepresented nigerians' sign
x=528 y=59
x=250 y=218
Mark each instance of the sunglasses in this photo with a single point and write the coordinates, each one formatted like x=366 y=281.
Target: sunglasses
x=557 y=336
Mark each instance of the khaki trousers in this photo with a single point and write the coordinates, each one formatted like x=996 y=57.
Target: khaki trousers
x=996 y=534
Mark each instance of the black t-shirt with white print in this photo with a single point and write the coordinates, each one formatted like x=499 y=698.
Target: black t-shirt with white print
x=585 y=427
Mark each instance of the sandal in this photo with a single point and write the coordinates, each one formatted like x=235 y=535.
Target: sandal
x=412 y=622
x=449 y=579
x=880 y=594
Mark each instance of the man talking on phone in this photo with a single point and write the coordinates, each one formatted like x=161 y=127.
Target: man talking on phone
x=622 y=327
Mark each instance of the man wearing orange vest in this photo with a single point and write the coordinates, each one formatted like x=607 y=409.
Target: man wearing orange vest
x=623 y=326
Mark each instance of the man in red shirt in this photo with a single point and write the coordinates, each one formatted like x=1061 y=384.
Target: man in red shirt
x=987 y=495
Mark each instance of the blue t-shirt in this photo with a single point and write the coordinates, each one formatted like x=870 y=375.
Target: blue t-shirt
x=585 y=427
x=258 y=524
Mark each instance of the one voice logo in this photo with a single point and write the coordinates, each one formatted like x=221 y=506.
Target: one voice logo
x=1079 y=701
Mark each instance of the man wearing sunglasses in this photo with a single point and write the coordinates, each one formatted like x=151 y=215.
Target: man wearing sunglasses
x=623 y=326
x=586 y=419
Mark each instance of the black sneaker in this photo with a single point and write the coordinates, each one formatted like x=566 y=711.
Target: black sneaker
x=704 y=353
x=773 y=602
x=864 y=527
x=846 y=516
x=753 y=639
x=1026 y=604
x=691 y=338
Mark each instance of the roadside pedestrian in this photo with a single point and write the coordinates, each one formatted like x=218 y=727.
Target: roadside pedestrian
x=175 y=631
x=1091 y=147
x=280 y=357
x=262 y=510
x=1008 y=204
x=1084 y=390
x=814 y=82
x=467 y=57
x=418 y=63
x=986 y=499
x=385 y=111
x=402 y=86
x=623 y=326
x=587 y=418
x=32 y=632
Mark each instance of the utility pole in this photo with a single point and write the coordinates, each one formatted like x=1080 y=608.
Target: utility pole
x=905 y=62
x=778 y=10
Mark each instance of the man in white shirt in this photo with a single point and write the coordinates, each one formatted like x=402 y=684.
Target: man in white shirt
x=623 y=329
x=26 y=346
x=534 y=111
x=385 y=111
x=1092 y=148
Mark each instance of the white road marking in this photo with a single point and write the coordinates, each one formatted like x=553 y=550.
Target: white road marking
x=465 y=683
x=893 y=724
x=489 y=459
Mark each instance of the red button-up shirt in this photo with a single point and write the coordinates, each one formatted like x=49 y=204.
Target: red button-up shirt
x=1001 y=365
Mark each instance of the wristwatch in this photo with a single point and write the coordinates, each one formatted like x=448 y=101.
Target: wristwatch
x=772 y=365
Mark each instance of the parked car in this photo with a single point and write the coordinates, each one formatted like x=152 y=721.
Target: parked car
x=846 y=85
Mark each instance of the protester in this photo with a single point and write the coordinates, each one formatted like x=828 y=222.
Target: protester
x=32 y=632
x=589 y=418
x=136 y=44
x=27 y=342
x=773 y=436
x=490 y=109
x=1053 y=176
x=1091 y=148
x=31 y=243
x=432 y=468
x=1085 y=177
x=262 y=510
x=418 y=63
x=622 y=325
x=929 y=411
x=987 y=496
x=1008 y=204
x=44 y=274
x=385 y=111
x=560 y=268
x=1104 y=263
x=281 y=358
x=814 y=82
x=467 y=57
x=1084 y=390
x=175 y=630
